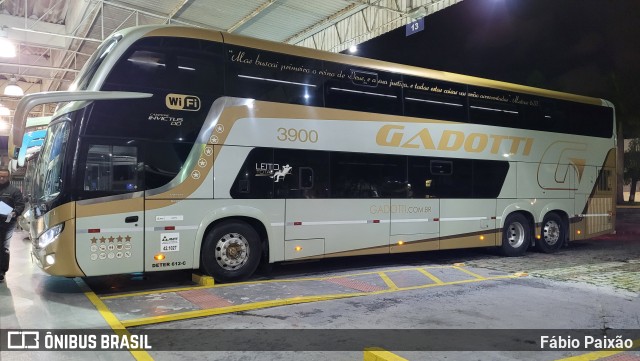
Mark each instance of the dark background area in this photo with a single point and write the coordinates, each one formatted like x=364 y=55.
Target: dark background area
x=586 y=47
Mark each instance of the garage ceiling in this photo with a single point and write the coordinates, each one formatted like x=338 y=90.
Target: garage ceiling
x=54 y=38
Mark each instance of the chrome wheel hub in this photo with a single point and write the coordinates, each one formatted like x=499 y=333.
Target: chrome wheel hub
x=551 y=232
x=232 y=251
x=515 y=234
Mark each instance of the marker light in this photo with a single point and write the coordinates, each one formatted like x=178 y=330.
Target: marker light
x=298 y=248
x=482 y=238
x=538 y=236
x=159 y=257
x=579 y=232
x=400 y=243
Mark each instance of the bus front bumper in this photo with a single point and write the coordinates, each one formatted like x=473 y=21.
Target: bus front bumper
x=57 y=257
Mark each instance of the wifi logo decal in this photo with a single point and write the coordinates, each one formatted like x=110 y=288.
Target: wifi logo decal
x=183 y=102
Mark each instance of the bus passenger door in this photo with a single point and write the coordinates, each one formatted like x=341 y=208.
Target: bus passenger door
x=414 y=225
x=109 y=236
x=110 y=219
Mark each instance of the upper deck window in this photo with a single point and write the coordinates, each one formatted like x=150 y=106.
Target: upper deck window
x=190 y=66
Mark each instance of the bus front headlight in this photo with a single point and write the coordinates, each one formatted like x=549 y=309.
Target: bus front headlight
x=50 y=235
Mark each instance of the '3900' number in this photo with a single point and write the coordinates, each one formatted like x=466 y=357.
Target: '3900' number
x=297 y=135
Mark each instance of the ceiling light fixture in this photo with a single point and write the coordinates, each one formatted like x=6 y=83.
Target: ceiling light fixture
x=7 y=48
x=13 y=89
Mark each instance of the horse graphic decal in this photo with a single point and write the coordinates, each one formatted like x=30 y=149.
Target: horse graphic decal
x=281 y=173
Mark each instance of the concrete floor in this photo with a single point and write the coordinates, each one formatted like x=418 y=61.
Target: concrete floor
x=590 y=285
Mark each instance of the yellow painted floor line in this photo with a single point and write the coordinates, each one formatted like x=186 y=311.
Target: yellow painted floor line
x=430 y=276
x=286 y=301
x=470 y=273
x=597 y=355
x=144 y=293
x=388 y=281
x=111 y=319
x=380 y=354
x=288 y=280
x=230 y=309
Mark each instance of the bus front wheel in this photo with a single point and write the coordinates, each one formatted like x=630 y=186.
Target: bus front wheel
x=231 y=251
x=516 y=235
x=553 y=234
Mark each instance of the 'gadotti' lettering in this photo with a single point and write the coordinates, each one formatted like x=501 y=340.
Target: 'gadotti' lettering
x=391 y=135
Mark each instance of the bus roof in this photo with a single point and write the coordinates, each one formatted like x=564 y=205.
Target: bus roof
x=213 y=35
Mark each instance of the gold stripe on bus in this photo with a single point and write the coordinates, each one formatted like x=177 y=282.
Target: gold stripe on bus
x=599 y=201
x=60 y=214
x=432 y=244
x=187 y=32
x=194 y=176
x=109 y=207
x=230 y=115
x=469 y=241
x=360 y=252
x=65 y=251
x=294 y=111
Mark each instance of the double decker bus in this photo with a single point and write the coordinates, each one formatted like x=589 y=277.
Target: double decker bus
x=186 y=148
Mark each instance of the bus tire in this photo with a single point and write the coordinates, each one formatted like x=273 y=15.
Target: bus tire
x=231 y=251
x=516 y=235
x=553 y=234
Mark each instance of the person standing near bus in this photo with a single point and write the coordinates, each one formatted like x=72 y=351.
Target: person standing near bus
x=12 y=197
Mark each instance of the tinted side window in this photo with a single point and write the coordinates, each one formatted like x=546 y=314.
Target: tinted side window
x=108 y=169
x=185 y=76
x=492 y=107
x=182 y=65
x=456 y=178
x=426 y=98
x=308 y=176
x=488 y=177
x=263 y=75
x=523 y=111
x=364 y=90
x=254 y=179
x=578 y=118
x=163 y=161
x=359 y=175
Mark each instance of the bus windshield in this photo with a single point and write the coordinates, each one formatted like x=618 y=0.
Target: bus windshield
x=48 y=181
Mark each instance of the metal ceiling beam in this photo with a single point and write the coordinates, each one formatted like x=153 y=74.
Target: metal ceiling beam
x=326 y=22
x=181 y=6
x=161 y=17
x=360 y=25
x=83 y=28
x=8 y=75
x=56 y=35
x=374 y=4
x=253 y=14
x=41 y=67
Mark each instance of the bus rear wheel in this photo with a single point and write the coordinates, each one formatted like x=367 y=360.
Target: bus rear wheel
x=231 y=251
x=553 y=234
x=516 y=235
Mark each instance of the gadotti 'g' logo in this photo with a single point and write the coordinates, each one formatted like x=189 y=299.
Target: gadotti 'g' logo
x=561 y=164
x=183 y=102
